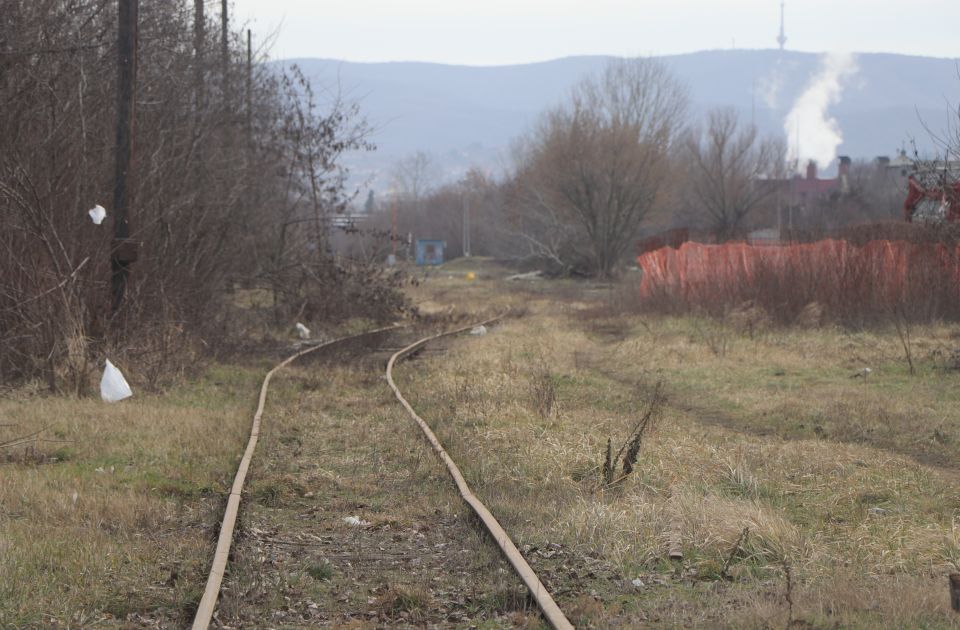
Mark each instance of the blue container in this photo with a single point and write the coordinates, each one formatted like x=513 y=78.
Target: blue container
x=430 y=252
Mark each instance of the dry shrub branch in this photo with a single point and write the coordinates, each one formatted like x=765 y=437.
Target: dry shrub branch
x=629 y=452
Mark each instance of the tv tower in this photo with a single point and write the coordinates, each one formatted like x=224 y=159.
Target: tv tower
x=782 y=38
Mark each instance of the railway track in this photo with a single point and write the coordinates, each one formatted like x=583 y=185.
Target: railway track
x=537 y=590
x=211 y=592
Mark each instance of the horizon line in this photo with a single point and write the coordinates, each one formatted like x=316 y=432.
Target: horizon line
x=604 y=55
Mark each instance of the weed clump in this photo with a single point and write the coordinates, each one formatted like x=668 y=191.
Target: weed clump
x=629 y=452
x=411 y=602
x=543 y=391
x=320 y=571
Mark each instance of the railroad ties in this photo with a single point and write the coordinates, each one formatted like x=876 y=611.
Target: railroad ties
x=204 y=615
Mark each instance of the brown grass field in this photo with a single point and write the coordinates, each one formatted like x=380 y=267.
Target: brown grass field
x=799 y=495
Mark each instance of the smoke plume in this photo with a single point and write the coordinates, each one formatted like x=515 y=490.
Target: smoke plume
x=770 y=86
x=812 y=134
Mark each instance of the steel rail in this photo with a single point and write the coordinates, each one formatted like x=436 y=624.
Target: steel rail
x=208 y=602
x=538 y=591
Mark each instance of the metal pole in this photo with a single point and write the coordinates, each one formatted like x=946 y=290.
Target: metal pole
x=123 y=252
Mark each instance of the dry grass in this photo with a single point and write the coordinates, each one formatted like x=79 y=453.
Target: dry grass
x=831 y=474
x=848 y=483
x=112 y=515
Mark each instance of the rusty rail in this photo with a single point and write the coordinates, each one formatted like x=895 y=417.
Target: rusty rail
x=208 y=602
x=538 y=591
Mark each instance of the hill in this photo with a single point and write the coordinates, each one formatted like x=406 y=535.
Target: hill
x=467 y=114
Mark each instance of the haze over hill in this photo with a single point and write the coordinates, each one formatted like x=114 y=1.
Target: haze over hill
x=468 y=115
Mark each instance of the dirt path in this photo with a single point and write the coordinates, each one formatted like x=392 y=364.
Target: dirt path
x=707 y=412
x=335 y=445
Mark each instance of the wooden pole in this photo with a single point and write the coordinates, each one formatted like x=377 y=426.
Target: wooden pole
x=675 y=535
x=393 y=212
x=249 y=94
x=225 y=53
x=199 y=41
x=466 y=225
x=123 y=253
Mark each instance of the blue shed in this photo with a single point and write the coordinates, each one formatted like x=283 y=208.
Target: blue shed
x=430 y=251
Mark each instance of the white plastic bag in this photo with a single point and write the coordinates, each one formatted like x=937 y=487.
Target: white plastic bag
x=97 y=214
x=113 y=387
x=303 y=331
x=480 y=330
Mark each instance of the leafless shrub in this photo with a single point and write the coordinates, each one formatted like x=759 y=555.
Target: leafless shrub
x=952 y=360
x=336 y=289
x=715 y=335
x=788 y=592
x=902 y=325
x=225 y=192
x=543 y=390
x=749 y=318
x=733 y=553
x=812 y=316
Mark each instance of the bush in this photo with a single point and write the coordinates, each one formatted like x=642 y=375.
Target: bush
x=235 y=181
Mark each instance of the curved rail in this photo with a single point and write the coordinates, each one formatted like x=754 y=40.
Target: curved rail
x=208 y=602
x=544 y=600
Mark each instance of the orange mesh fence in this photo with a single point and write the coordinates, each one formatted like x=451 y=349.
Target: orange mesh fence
x=850 y=282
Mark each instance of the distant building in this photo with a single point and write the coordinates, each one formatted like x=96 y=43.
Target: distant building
x=797 y=196
x=764 y=236
x=805 y=191
x=430 y=251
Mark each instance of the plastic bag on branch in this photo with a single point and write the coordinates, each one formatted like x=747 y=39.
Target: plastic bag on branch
x=97 y=214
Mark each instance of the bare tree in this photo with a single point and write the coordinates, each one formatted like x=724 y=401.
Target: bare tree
x=593 y=168
x=413 y=175
x=209 y=215
x=731 y=171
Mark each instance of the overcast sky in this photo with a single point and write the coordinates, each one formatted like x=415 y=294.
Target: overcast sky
x=493 y=32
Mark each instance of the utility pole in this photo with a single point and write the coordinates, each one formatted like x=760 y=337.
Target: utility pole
x=249 y=94
x=199 y=40
x=225 y=54
x=393 y=212
x=466 y=225
x=124 y=251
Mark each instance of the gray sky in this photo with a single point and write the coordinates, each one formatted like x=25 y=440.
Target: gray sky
x=492 y=32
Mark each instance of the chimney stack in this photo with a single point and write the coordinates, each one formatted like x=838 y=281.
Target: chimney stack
x=811 y=170
x=844 y=169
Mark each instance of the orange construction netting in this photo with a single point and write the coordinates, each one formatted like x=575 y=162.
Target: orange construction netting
x=831 y=272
